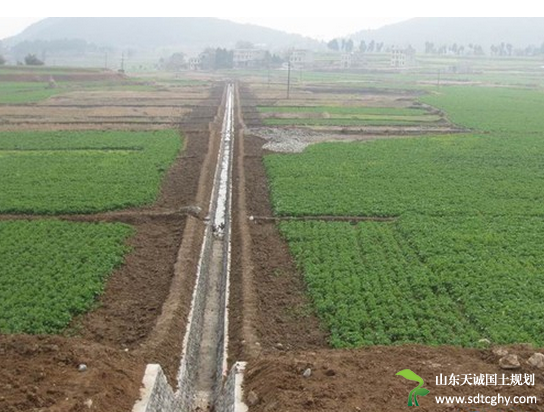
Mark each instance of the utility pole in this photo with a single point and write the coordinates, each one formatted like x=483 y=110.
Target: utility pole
x=288 y=78
x=438 y=81
x=123 y=62
x=106 y=60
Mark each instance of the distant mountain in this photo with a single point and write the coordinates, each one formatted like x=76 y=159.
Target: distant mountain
x=484 y=31
x=158 y=32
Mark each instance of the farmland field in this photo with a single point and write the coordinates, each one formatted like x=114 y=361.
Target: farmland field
x=23 y=92
x=82 y=172
x=461 y=260
x=508 y=110
x=343 y=116
x=439 y=175
x=53 y=270
x=429 y=280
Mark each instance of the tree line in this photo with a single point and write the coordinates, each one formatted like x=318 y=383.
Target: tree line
x=348 y=46
x=500 y=49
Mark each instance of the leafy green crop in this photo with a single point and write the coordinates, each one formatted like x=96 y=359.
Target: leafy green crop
x=82 y=172
x=428 y=280
x=52 y=270
x=442 y=175
x=493 y=109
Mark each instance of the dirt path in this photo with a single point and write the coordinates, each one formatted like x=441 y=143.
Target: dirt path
x=270 y=311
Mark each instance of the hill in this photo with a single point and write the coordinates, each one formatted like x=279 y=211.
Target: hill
x=157 y=32
x=485 y=31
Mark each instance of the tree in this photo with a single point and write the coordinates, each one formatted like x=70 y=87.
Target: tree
x=429 y=47
x=454 y=48
x=349 y=46
x=333 y=45
x=371 y=46
x=32 y=60
x=379 y=47
x=2 y=60
x=224 y=59
x=175 y=62
x=362 y=46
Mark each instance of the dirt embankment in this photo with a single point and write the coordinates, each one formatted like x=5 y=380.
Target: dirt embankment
x=269 y=310
x=365 y=379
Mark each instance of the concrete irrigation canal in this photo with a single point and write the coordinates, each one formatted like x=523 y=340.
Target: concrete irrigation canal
x=204 y=381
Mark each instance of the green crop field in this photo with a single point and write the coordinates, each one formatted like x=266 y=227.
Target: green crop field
x=82 y=172
x=463 y=259
x=439 y=175
x=497 y=110
x=343 y=116
x=53 y=270
x=430 y=280
x=358 y=121
x=22 y=92
x=32 y=92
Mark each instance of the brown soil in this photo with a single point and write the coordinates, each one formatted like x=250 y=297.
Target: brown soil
x=135 y=293
x=271 y=290
x=40 y=373
x=141 y=316
x=111 y=110
x=364 y=379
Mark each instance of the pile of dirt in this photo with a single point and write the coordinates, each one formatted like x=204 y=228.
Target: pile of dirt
x=43 y=373
x=365 y=379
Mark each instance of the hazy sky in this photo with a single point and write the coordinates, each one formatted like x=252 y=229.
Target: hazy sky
x=323 y=28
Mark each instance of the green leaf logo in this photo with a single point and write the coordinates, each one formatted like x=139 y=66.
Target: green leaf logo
x=418 y=390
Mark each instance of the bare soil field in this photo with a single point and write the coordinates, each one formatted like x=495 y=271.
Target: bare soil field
x=109 y=110
x=140 y=318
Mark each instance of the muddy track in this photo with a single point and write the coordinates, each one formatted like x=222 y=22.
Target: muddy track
x=275 y=313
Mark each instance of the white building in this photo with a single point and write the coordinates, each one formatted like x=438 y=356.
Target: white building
x=402 y=57
x=301 y=59
x=248 y=58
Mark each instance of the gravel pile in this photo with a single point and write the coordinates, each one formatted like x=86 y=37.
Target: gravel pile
x=290 y=140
